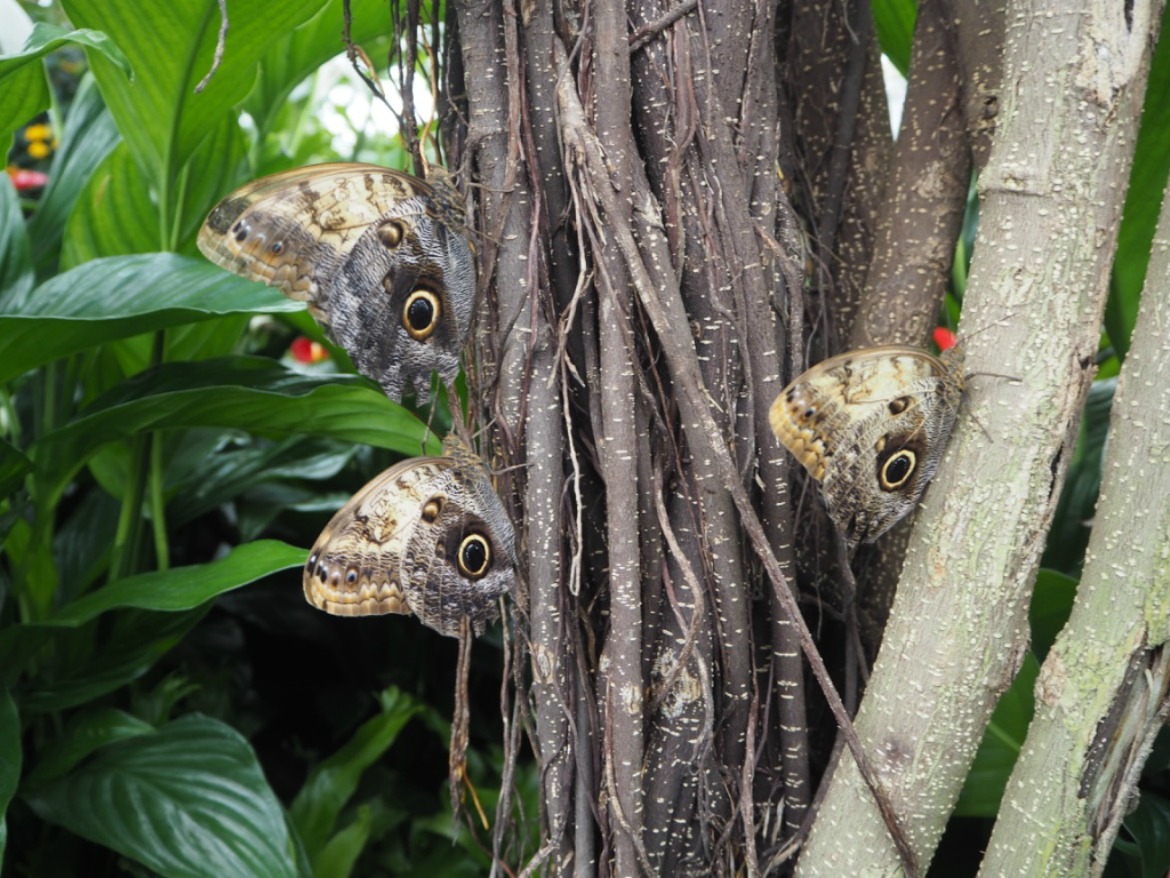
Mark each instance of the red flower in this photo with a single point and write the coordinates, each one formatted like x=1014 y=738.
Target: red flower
x=25 y=180
x=305 y=350
x=944 y=338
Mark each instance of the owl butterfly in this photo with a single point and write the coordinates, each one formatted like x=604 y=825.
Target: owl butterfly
x=871 y=426
x=379 y=255
x=428 y=536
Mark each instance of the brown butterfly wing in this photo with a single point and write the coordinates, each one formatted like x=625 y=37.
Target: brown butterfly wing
x=870 y=426
x=429 y=536
x=464 y=558
x=355 y=566
x=291 y=230
x=358 y=243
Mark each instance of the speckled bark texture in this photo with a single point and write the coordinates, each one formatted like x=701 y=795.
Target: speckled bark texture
x=635 y=251
x=1051 y=196
x=1102 y=692
x=676 y=205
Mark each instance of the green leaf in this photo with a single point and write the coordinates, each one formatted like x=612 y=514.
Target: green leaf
x=299 y=53
x=86 y=733
x=118 y=213
x=211 y=172
x=1052 y=601
x=24 y=91
x=246 y=393
x=330 y=784
x=183 y=587
x=893 y=21
x=120 y=297
x=1143 y=201
x=231 y=474
x=1000 y=746
x=88 y=137
x=341 y=852
x=16 y=274
x=81 y=664
x=171 y=47
x=1068 y=537
x=11 y=761
x=1149 y=825
x=13 y=466
x=187 y=801
x=114 y=214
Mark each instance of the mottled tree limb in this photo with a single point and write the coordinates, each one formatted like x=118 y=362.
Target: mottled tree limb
x=1103 y=690
x=1050 y=213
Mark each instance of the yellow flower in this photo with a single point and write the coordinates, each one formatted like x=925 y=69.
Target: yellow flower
x=38 y=149
x=38 y=132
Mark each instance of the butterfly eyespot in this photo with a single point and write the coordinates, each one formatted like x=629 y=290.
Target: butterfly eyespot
x=241 y=232
x=420 y=314
x=391 y=233
x=899 y=405
x=277 y=247
x=809 y=412
x=351 y=576
x=474 y=556
x=311 y=563
x=431 y=509
x=897 y=470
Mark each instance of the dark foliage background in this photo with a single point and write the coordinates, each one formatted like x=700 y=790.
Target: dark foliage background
x=168 y=702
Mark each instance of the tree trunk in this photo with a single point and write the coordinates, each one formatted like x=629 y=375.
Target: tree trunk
x=646 y=286
x=1051 y=198
x=1103 y=691
x=666 y=687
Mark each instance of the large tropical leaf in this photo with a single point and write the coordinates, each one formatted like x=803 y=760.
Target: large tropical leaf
x=13 y=466
x=11 y=760
x=1002 y=740
x=119 y=297
x=24 y=92
x=77 y=665
x=187 y=801
x=171 y=47
x=185 y=587
x=331 y=783
x=88 y=136
x=245 y=393
x=297 y=54
x=117 y=213
x=16 y=275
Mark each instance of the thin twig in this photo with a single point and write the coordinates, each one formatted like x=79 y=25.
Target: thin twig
x=647 y=32
x=700 y=426
x=220 y=43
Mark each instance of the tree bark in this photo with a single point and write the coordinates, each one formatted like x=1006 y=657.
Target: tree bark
x=1051 y=194
x=647 y=626
x=1102 y=692
x=837 y=149
x=919 y=221
x=644 y=281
